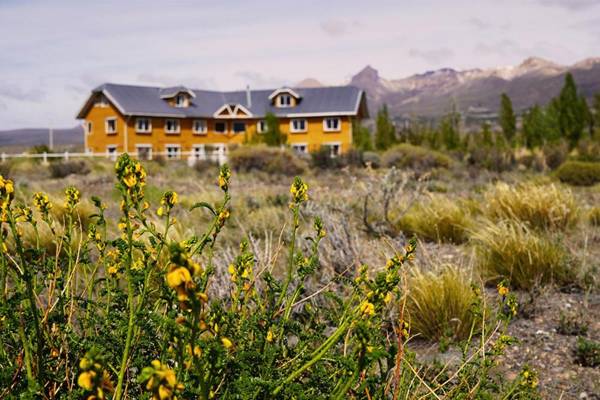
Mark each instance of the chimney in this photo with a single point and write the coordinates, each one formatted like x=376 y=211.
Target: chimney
x=248 y=97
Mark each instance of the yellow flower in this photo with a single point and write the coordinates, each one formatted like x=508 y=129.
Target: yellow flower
x=299 y=191
x=387 y=298
x=112 y=270
x=502 y=289
x=270 y=336
x=367 y=308
x=130 y=180
x=86 y=380
x=226 y=343
x=160 y=211
x=178 y=276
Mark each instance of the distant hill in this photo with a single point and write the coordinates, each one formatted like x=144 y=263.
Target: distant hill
x=38 y=136
x=430 y=94
x=309 y=83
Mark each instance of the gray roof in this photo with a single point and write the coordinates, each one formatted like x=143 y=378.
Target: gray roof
x=147 y=101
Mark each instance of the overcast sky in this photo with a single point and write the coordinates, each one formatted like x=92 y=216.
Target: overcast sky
x=52 y=53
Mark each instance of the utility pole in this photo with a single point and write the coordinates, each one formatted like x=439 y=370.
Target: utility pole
x=51 y=139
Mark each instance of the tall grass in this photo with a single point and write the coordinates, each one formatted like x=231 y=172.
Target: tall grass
x=537 y=205
x=512 y=250
x=438 y=219
x=439 y=304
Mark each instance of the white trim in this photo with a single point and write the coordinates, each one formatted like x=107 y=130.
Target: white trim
x=203 y=131
x=170 y=95
x=137 y=130
x=327 y=129
x=106 y=130
x=239 y=107
x=284 y=90
x=175 y=132
x=113 y=101
x=359 y=98
x=293 y=130
x=258 y=128
x=198 y=152
x=319 y=114
x=232 y=112
x=222 y=108
x=293 y=145
x=175 y=146
x=144 y=146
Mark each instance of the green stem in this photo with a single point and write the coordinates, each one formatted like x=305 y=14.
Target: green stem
x=290 y=265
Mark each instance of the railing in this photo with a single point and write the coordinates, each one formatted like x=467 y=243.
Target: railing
x=191 y=156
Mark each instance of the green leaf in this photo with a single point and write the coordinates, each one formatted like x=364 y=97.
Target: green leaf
x=204 y=204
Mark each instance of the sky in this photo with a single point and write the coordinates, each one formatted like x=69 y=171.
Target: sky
x=54 y=52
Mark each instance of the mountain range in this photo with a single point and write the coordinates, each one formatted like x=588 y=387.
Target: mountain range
x=432 y=93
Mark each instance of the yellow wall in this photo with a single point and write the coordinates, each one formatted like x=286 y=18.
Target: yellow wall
x=98 y=139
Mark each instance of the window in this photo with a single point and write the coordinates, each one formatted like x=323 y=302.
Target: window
x=171 y=126
x=239 y=127
x=144 y=151
x=198 y=152
x=143 y=125
x=181 y=100
x=334 y=149
x=111 y=152
x=89 y=128
x=221 y=127
x=173 y=151
x=331 y=124
x=284 y=100
x=199 y=126
x=261 y=126
x=298 y=125
x=111 y=125
x=300 y=148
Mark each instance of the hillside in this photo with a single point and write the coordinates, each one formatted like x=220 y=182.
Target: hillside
x=38 y=136
x=430 y=94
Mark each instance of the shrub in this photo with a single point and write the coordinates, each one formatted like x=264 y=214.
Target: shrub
x=5 y=168
x=419 y=158
x=594 y=216
x=268 y=159
x=439 y=304
x=511 y=250
x=555 y=154
x=539 y=206
x=63 y=169
x=438 y=219
x=579 y=173
x=371 y=158
x=587 y=353
x=572 y=324
x=132 y=313
x=493 y=158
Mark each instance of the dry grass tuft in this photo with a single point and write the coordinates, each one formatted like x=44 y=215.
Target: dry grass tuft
x=539 y=206
x=439 y=304
x=439 y=219
x=527 y=258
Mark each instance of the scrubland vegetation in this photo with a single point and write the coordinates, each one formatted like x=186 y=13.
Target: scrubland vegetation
x=439 y=265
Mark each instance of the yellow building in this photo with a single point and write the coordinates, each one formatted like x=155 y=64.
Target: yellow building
x=177 y=120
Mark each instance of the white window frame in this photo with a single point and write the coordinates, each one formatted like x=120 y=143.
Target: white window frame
x=261 y=126
x=280 y=102
x=203 y=127
x=296 y=148
x=173 y=146
x=184 y=100
x=330 y=145
x=111 y=151
x=199 y=152
x=294 y=130
x=328 y=129
x=143 y=146
x=173 y=132
x=146 y=130
x=238 y=122
x=109 y=131
x=221 y=122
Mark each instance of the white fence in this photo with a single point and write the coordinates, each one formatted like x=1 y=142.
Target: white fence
x=192 y=157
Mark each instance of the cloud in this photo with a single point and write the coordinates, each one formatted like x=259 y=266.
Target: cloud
x=258 y=80
x=503 y=47
x=433 y=56
x=14 y=92
x=478 y=23
x=574 y=5
x=339 y=27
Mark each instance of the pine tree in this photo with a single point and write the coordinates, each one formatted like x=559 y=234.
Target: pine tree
x=508 y=120
x=571 y=113
x=596 y=115
x=385 y=134
x=361 y=137
x=273 y=135
x=449 y=130
x=534 y=127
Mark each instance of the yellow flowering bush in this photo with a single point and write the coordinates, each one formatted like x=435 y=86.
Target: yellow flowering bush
x=130 y=313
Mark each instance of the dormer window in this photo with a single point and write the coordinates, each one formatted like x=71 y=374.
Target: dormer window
x=181 y=100
x=284 y=100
